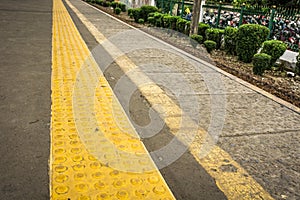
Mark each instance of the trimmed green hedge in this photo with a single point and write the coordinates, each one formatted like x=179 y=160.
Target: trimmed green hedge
x=117 y=10
x=298 y=64
x=202 y=27
x=210 y=45
x=274 y=48
x=197 y=38
x=249 y=39
x=230 y=37
x=261 y=62
x=215 y=34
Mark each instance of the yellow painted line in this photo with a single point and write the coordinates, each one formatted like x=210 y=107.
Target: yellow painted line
x=236 y=184
x=95 y=152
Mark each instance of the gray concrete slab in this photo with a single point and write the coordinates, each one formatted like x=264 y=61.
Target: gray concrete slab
x=25 y=60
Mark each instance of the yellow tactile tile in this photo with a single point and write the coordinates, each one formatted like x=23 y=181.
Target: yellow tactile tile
x=95 y=152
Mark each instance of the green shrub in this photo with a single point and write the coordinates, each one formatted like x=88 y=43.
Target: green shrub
x=202 y=27
x=122 y=6
x=166 y=20
x=158 y=19
x=297 y=70
x=180 y=25
x=210 y=45
x=130 y=11
x=141 y=21
x=106 y=3
x=197 y=38
x=151 y=20
x=114 y=4
x=230 y=37
x=136 y=12
x=99 y=2
x=261 y=62
x=117 y=10
x=146 y=10
x=187 y=27
x=249 y=39
x=274 y=48
x=214 y=34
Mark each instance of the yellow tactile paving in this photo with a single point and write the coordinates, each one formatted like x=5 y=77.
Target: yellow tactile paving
x=236 y=184
x=95 y=153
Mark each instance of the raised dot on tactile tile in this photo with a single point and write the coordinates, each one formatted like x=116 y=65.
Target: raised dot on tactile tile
x=122 y=194
x=136 y=181
x=60 y=159
x=135 y=146
x=144 y=162
x=59 y=151
x=102 y=196
x=73 y=136
x=99 y=185
x=153 y=179
x=119 y=183
x=74 y=143
x=61 y=178
x=141 y=193
x=79 y=176
x=59 y=137
x=61 y=189
x=59 y=143
x=97 y=175
x=81 y=187
x=84 y=198
x=77 y=158
x=95 y=165
x=61 y=168
x=92 y=158
x=75 y=150
x=78 y=167
x=114 y=173
x=159 y=189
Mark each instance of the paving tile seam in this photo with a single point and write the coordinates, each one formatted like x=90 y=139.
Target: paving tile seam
x=73 y=170
x=232 y=77
x=279 y=132
x=244 y=185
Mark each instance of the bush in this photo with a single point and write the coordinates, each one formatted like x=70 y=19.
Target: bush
x=158 y=19
x=130 y=11
x=180 y=25
x=274 y=48
x=202 y=27
x=99 y=2
x=106 y=3
x=249 y=39
x=146 y=10
x=114 y=4
x=187 y=27
x=261 y=62
x=117 y=10
x=136 y=12
x=215 y=34
x=297 y=70
x=210 y=45
x=151 y=20
x=197 y=38
x=141 y=21
x=230 y=37
x=122 y=6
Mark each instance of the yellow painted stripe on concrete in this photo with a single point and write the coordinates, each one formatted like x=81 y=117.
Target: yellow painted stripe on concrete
x=236 y=184
x=85 y=111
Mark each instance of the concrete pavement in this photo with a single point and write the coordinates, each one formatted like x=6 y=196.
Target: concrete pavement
x=232 y=141
x=25 y=61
